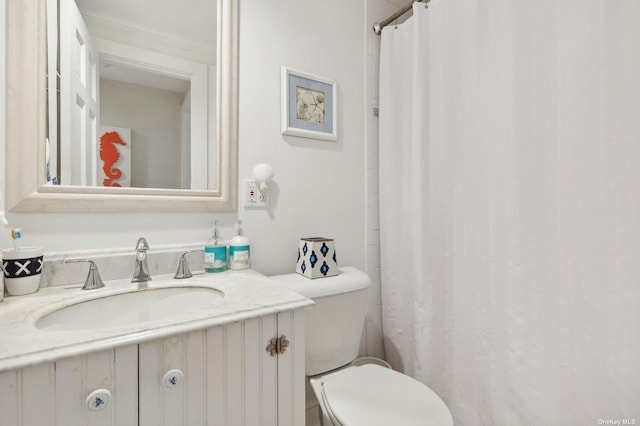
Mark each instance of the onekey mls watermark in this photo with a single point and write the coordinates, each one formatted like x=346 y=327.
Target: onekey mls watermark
x=617 y=422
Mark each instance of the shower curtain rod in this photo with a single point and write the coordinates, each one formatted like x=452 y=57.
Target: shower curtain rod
x=377 y=28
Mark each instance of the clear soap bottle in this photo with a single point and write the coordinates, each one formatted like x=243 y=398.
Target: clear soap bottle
x=215 y=252
x=239 y=250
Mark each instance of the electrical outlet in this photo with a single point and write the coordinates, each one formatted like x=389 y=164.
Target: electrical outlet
x=252 y=196
x=250 y=191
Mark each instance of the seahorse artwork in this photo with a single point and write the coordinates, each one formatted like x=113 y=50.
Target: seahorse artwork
x=109 y=155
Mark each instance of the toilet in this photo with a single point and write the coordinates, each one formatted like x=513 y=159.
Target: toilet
x=355 y=391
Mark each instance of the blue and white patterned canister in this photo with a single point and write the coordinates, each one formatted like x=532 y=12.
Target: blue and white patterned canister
x=317 y=257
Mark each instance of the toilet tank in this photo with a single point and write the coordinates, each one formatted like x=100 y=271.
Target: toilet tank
x=334 y=325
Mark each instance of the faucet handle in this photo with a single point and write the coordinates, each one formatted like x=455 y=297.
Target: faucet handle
x=183 y=267
x=93 y=280
x=141 y=269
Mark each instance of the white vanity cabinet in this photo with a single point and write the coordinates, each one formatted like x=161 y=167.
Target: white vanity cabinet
x=221 y=375
x=229 y=378
x=55 y=393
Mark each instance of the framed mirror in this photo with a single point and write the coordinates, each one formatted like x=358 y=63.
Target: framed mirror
x=196 y=169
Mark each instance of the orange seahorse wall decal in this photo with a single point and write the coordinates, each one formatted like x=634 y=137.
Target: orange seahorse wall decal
x=109 y=155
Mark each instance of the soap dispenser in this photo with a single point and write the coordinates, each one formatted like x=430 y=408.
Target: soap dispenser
x=239 y=250
x=215 y=252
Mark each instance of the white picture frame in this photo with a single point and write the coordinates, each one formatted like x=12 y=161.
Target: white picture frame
x=309 y=105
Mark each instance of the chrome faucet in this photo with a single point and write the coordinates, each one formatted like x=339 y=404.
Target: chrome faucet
x=93 y=280
x=183 y=267
x=141 y=270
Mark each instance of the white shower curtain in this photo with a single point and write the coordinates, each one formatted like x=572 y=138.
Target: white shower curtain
x=510 y=208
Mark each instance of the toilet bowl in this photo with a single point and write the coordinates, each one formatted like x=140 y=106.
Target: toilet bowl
x=373 y=395
x=350 y=391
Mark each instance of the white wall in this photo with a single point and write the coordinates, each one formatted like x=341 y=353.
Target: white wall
x=319 y=186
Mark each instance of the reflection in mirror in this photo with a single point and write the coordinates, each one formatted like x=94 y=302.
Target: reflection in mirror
x=136 y=100
x=153 y=117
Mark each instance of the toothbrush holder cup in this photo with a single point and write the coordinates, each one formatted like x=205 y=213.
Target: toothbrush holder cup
x=22 y=269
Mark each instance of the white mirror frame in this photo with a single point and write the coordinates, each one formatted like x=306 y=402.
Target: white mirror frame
x=26 y=128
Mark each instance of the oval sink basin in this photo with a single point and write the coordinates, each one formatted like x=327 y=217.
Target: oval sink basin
x=130 y=309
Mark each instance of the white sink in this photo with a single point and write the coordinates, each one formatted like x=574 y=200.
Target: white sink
x=130 y=309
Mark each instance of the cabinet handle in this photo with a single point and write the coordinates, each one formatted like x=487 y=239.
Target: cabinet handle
x=98 y=399
x=172 y=378
x=277 y=345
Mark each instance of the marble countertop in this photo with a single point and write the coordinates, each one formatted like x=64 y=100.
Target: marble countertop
x=247 y=294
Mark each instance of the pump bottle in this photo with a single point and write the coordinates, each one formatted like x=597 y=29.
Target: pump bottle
x=215 y=252
x=239 y=250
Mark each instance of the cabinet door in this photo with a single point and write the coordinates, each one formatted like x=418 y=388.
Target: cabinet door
x=27 y=396
x=259 y=371
x=228 y=378
x=55 y=393
x=114 y=370
x=291 y=366
x=173 y=402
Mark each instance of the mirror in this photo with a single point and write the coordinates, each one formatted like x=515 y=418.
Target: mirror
x=135 y=98
x=203 y=94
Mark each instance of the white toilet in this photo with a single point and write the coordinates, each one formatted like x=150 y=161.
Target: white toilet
x=350 y=391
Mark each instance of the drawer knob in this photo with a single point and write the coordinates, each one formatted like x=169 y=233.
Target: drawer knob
x=172 y=378
x=98 y=399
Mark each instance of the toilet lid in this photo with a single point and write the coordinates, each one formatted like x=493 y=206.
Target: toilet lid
x=373 y=395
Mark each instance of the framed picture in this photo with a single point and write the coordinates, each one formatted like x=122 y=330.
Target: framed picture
x=309 y=105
